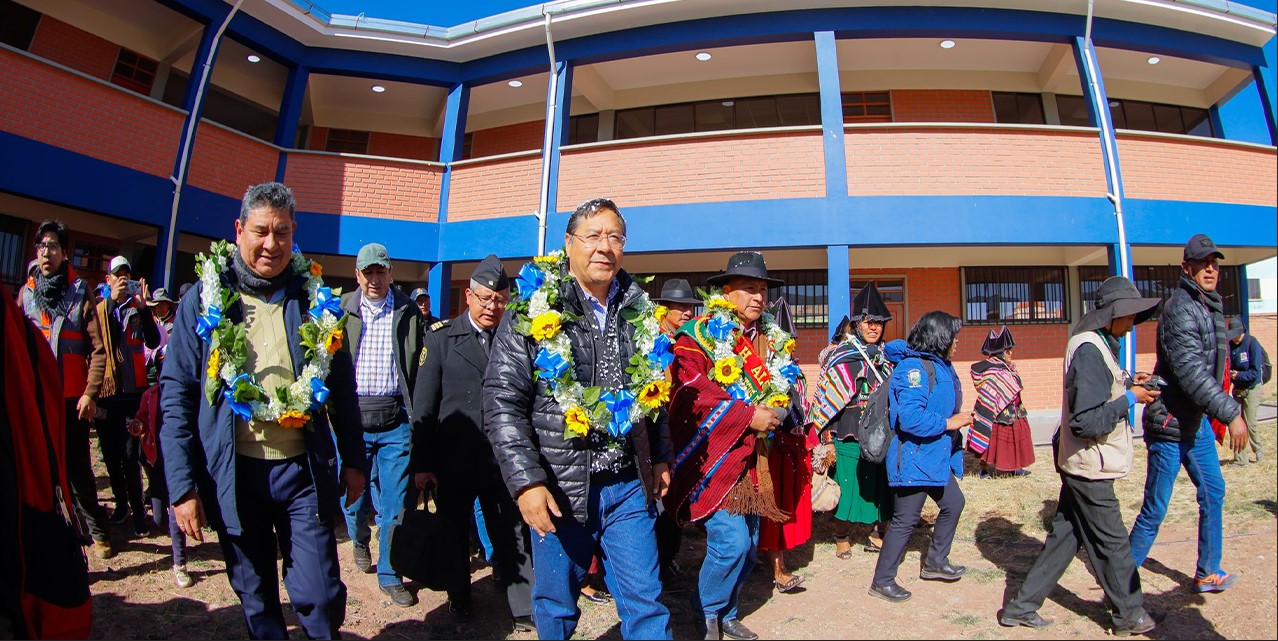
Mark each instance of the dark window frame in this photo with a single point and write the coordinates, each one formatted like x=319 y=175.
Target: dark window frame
x=645 y=120
x=858 y=105
x=1027 y=289
x=1192 y=119
x=18 y=24
x=583 y=129
x=1024 y=101
x=134 y=71
x=346 y=141
x=1159 y=281
x=15 y=249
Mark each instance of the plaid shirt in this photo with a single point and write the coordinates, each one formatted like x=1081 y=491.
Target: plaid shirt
x=375 y=373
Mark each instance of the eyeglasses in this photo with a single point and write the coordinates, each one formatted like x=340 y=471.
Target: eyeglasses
x=492 y=300
x=48 y=245
x=593 y=240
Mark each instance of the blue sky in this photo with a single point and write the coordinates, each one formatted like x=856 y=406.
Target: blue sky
x=1241 y=116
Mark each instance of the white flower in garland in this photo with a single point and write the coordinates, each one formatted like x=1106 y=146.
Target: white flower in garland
x=723 y=330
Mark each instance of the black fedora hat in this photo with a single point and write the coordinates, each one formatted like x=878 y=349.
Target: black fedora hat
x=745 y=264
x=677 y=290
x=1117 y=297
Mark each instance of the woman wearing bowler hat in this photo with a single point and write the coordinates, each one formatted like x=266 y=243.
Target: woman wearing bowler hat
x=1000 y=436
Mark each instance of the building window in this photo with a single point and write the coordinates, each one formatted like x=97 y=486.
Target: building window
x=468 y=145
x=91 y=258
x=13 y=251
x=718 y=115
x=1253 y=289
x=1018 y=108
x=1140 y=116
x=1020 y=295
x=134 y=71
x=583 y=129
x=347 y=141
x=1159 y=281
x=17 y=24
x=867 y=107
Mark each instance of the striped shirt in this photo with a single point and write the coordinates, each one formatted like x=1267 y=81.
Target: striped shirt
x=375 y=373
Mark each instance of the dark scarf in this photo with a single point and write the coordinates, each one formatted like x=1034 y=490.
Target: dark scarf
x=1216 y=305
x=50 y=292
x=250 y=282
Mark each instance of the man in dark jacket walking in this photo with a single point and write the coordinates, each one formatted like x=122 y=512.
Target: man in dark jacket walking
x=1192 y=357
x=594 y=492
x=1246 y=361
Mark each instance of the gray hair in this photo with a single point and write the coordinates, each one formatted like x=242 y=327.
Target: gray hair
x=592 y=208
x=273 y=195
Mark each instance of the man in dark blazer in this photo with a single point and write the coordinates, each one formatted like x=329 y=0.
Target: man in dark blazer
x=449 y=446
x=384 y=337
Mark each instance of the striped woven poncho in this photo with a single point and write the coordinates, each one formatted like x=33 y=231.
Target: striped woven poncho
x=838 y=385
x=997 y=386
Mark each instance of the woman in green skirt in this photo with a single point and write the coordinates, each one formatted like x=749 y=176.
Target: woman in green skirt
x=851 y=368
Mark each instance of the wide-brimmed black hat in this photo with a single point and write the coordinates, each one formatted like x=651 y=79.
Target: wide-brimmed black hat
x=868 y=305
x=998 y=341
x=677 y=290
x=745 y=265
x=1117 y=297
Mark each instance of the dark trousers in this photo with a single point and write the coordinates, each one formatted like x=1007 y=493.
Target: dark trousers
x=161 y=511
x=669 y=538
x=120 y=451
x=512 y=549
x=907 y=507
x=84 y=487
x=1088 y=515
x=279 y=510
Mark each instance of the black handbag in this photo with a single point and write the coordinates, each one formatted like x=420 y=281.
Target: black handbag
x=425 y=547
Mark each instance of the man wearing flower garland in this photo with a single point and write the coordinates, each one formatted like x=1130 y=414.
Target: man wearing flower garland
x=573 y=382
x=734 y=384
x=252 y=361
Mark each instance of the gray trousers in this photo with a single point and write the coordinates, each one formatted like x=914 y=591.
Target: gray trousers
x=1249 y=399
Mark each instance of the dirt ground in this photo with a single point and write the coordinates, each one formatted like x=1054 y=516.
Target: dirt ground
x=998 y=537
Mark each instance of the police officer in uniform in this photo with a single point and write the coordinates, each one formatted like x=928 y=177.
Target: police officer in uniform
x=451 y=451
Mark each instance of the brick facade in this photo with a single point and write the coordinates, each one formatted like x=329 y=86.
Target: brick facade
x=495 y=189
x=75 y=48
x=377 y=189
x=1197 y=169
x=523 y=136
x=381 y=143
x=942 y=105
x=228 y=163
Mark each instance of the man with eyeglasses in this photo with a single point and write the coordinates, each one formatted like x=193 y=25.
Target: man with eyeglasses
x=1193 y=359
x=61 y=305
x=384 y=336
x=451 y=452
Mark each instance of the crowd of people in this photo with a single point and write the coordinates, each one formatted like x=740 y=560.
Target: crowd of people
x=582 y=425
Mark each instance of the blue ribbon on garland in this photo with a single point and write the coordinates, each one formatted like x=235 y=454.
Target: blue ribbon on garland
x=204 y=325
x=551 y=365
x=319 y=393
x=241 y=409
x=791 y=372
x=619 y=403
x=661 y=356
x=720 y=328
x=530 y=279
x=325 y=301
x=738 y=393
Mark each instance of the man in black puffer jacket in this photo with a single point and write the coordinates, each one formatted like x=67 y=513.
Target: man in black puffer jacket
x=586 y=493
x=1193 y=359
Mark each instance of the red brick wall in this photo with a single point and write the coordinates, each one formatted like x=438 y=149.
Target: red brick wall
x=375 y=188
x=493 y=189
x=942 y=105
x=402 y=146
x=524 y=136
x=974 y=161
x=1197 y=170
x=229 y=163
x=697 y=170
x=50 y=105
x=74 y=47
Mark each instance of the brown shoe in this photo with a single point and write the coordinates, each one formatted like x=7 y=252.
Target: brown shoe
x=103 y=549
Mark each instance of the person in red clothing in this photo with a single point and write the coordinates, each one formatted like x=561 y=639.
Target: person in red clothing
x=1000 y=435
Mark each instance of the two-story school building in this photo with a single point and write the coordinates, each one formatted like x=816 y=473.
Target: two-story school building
x=993 y=159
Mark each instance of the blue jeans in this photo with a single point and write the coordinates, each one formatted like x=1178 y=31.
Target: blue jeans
x=620 y=524
x=389 y=490
x=732 y=542
x=1198 y=455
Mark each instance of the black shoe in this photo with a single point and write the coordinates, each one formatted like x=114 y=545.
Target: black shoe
x=363 y=558
x=141 y=526
x=120 y=514
x=735 y=629
x=1029 y=620
x=399 y=595
x=1143 y=625
x=459 y=611
x=525 y=624
x=947 y=572
x=891 y=592
x=710 y=627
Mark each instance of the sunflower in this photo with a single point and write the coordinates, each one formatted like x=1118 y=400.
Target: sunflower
x=576 y=422
x=788 y=347
x=778 y=400
x=545 y=260
x=718 y=302
x=334 y=341
x=545 y=326
x=215 y=363
x=660 y=312
x=317 y=269
x=726 y=370
x=293 y=419
x=654 y=394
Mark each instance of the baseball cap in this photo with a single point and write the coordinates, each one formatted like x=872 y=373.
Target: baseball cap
x=1201 y=246
x=117 y=263
x=418 y=293
x=372 y=254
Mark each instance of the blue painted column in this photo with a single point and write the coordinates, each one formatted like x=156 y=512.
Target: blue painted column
x=1217 y=123
x=838 y=285
x=559 y=129
x=290 y=115
x=1266 y=88
x=836 y=163
x=450 y=150
x=1244 y=301
x=440 y=288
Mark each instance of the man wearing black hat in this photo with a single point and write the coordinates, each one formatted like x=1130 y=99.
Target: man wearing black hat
x=1193 y=358
x=1094 y=448
x=680 y=301
x=384 y=337
x=450 y=449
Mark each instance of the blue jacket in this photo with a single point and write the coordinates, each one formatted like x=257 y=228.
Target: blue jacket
x=923 y=454
x=1247 y=359
x=198 y=440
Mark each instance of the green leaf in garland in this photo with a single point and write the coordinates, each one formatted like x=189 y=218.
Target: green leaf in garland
x=643 y=280
x=590 y=395
x=600 y=415
x=212 y=385
x=523 y=326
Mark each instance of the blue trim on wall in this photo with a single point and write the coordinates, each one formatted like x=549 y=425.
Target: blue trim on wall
x=559 y=128
x=290 y=115
x=1244 y=305
x=838 y=285
x=440 y=285
x=367 y=64
x=836 y=162
x=451 y=139
x=1172 y=222
x=1217 y=125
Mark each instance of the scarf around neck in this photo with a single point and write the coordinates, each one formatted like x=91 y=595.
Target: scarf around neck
x=250 y=282
x=1216 y=307
x=49 y=292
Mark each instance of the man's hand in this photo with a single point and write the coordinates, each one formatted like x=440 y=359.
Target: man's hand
x=189 y=513
x=120 y=290
x=86 y=407
x=145 y=294
x=423 y=478
x=764 y=420
x=1139 y=378
x=958 y=421
x=352 y=484
x=537 y=505
x=1238 y=434
x=1144 y=395
x=660 y=480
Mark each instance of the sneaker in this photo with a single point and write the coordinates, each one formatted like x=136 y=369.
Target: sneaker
x=363 y=558
x=181 y=578
x=1260 y=456
x=103 y=549
x=1218 y=582
x=399 y=595
x=1144 y=625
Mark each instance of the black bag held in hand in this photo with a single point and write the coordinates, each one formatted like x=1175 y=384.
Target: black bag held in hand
x=875 y=432
x=424 y=547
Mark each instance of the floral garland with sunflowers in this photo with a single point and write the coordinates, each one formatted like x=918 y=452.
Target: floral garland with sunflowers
x=539 y=315
x=723 y=328
x=291 y=405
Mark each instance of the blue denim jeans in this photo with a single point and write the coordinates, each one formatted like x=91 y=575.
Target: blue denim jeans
x=732 y=543
x=390 y=490
x=1198 y=456
x=622 y=527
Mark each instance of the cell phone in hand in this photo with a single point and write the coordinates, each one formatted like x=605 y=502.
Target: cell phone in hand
x=1155 y=381
x=134 y=287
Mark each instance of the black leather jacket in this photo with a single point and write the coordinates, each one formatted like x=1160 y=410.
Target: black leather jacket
x=1187 y=359
x=526 y=426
